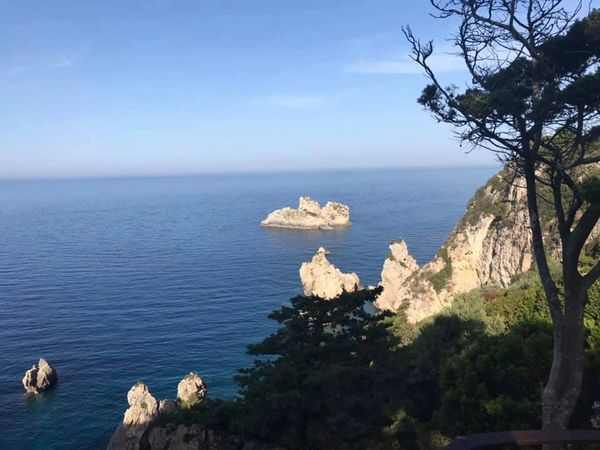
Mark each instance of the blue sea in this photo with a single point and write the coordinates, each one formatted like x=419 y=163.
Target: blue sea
x=120 y=280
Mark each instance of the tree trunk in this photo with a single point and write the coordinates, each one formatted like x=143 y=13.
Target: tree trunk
x=562 y=390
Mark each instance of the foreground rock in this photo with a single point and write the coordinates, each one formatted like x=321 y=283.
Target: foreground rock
x=143 y=409
x=40 y=378
x=322 y=279
x=140 y=431
x=490 y=245
x=191 y=390
x=198 y=437
x=310 y=216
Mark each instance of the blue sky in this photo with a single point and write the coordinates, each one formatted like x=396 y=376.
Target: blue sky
x=148 y=87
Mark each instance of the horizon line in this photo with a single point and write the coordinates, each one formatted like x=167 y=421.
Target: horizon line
x=240 y=172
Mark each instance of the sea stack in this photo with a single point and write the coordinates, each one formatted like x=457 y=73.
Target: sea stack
x=40 y=378
x=322 y=279
x=310 y=216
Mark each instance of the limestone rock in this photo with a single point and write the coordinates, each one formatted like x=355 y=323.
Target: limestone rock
x=336 y=214
x=308 y=205
x=140 y=431
x=191 y=390
x=143 y=409
x=321 y=278
x=310 y=216
x=40 y=378
x=397 y=268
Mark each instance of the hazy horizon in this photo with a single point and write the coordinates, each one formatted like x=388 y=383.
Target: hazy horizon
x=96 y=176
x=152 y=89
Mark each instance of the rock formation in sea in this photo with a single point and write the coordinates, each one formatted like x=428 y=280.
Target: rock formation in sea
x=40 y=378
x=321 y=278
x=310 y=216
x=191 y=390
x=140 y=430
x=490 y=245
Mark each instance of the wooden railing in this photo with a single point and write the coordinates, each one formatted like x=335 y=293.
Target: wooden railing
x=522 y=438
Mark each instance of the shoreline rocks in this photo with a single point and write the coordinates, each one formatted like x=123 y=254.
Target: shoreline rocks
x=140 y=431
x=310 y=216
x=40 y=378
x=144 y=409
x=322 y=279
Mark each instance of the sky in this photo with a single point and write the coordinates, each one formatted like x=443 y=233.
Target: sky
x=118 y=88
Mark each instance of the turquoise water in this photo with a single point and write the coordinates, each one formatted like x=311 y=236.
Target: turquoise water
x=115 y=281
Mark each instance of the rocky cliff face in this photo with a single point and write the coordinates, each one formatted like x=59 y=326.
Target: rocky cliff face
x=310 y=216
x=321 y=278
x=490 y=245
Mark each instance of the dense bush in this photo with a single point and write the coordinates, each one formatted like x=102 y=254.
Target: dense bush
x=495 y=383
x=337 y=376
x=325 y=379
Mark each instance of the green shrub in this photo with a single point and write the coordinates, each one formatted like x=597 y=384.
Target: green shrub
x=441 y=278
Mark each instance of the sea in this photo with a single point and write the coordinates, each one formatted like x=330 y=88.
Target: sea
x=115 y=281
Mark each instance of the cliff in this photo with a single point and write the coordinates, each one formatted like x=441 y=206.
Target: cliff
x=489 y=246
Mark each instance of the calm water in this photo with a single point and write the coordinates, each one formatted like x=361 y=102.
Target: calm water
x=115 y=281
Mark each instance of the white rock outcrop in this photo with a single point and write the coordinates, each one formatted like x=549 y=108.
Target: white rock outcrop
x=310 y=216
x=191 y=390
x=40 y=378
x=322 y=279
x=397 y=268
x=143 y=409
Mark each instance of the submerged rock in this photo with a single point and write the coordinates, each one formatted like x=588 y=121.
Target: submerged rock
x=322 y=279
x=143 y=409
x=40 y=378
x=310 y=216
x=191 y=390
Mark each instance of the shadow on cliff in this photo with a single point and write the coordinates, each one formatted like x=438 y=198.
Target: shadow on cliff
x=335 y=375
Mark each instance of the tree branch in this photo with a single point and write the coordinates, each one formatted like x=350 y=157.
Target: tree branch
x=581 y=232
x=592 y=276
